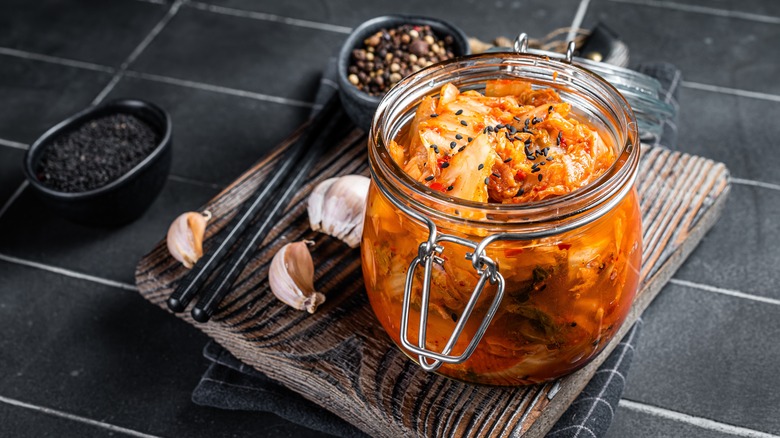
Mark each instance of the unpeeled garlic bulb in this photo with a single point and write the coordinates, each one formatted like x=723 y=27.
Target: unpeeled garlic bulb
x=291 y=277
x=185 y=237
x=337 y=207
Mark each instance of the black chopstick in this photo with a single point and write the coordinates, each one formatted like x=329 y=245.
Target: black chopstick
x=189 y=286
x=271 y=214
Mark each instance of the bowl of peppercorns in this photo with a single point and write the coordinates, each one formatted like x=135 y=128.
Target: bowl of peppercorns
x=105 y=165
x=382 y=51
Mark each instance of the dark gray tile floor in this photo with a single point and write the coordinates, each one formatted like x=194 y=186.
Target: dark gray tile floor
x=710 y=49
x=734 y=130
x=37 y=94
x=109 y=253
x=741 y=251
x=484 y=20
x=262 y=56
x=630 y=423
x=718 y=362
x=85 y=30
x=216 y=136
x=24 y=422
x=105 y=354
x=102 y=353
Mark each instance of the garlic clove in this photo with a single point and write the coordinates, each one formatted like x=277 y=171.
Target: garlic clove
x=291 y=277
x=337 y=207
x=316 y=202
x=185 y=237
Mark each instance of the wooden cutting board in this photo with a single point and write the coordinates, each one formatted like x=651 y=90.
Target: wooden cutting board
x=340 y=357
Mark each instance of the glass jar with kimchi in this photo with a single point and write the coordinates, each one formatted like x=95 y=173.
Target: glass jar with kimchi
x=502 y=237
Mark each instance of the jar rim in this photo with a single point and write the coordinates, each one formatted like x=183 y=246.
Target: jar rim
x=409 y=91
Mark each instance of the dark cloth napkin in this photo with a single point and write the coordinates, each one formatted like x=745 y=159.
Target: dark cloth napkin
x=230 y=384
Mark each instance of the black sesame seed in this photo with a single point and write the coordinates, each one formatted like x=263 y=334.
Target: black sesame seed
x=534 y=170
x=463 y=122
x=538 y=153
x=458 y=137
x=549 y=110
x=536 y=120
x=530 y=157
x=480 y=167
x=542 y=163
x=434 y=115
x=518 y=138
x=527 y=121
x=512 y=129
x=470 y=139
x=508 y=160
x=527 y=141
x=539 y=177
x=450 y=188
x=520 y=192
x=445 y=165
x=487 y=180
x=517 y=118
x=460 y=149
x=499 y=126
x=549 y=158
x=558 y=140
x=497 y=175
x=429 y=178
x=453 y=144
x=460 y=111
x=535 y=167
x=484 y=131
x=545 y=150
x=490 y=129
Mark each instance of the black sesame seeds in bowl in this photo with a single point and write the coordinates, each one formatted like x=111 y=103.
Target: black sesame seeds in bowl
x=382 y=51
x=105 y=165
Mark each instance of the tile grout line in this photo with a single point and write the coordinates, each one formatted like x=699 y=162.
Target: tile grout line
x=195 y=182
x=703 y=10
x=732 y=91
x=263 y=16
x=73 y=417
x=13 y=197
x=754 y=183
x=138 y=50
x=700 y=422
x=14 y=144
x=68 y=273
x=219 y=89
x=55 y=60
x=724 y=291
x=582 y=9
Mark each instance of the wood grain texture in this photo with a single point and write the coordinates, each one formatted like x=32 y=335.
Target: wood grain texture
x=340 y=357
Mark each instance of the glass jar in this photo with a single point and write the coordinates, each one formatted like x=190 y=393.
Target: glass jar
x=505 y=294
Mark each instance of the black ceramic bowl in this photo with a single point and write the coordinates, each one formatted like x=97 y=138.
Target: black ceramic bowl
x=361 y=106
x=123 y=199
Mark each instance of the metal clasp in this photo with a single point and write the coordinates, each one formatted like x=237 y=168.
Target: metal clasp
x=428 y=254
x=521 y=46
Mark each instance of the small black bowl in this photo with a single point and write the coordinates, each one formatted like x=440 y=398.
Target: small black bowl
x=361 y=106
x=123 y=199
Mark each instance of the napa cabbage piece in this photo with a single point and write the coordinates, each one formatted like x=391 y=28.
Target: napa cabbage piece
x=513 y=144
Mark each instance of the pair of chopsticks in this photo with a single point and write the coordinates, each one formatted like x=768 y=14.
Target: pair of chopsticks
x=257 y=216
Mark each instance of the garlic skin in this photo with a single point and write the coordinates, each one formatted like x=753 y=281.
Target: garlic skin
x=185 y=237
x=337 y=207
x=291 y=277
